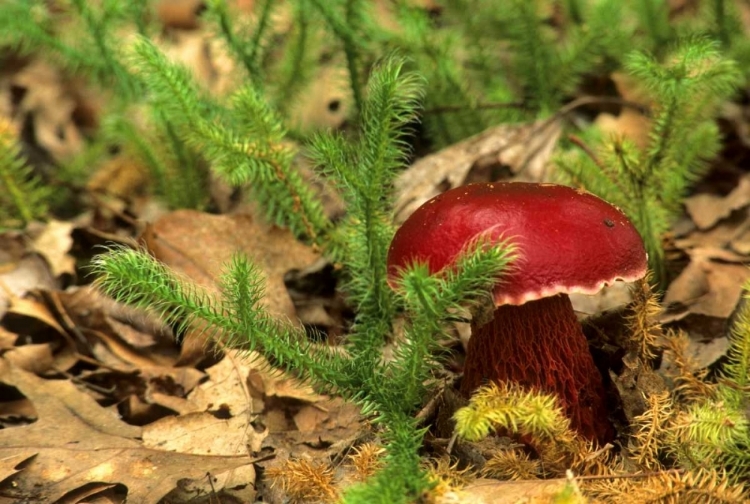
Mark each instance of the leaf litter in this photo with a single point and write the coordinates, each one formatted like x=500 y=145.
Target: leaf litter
x=100 y=401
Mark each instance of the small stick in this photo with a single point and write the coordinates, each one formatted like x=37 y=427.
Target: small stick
x=631 y=475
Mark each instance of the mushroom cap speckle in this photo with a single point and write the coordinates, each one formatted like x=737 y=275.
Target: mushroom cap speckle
x=567 y=240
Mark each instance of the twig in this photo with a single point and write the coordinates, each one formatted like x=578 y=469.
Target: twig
x=603 y=167
x=564 y=110
x=601 y=100
x=449 y=448
x=479 y=106
x=76 y=379
x=585 y=148
x=631 y=475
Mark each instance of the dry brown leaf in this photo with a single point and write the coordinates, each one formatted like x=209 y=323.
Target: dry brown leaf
x=169 y=387
x=237 y=484
x=704 y=296
x=707 y=287
x=9 y=466
x=226 y=389
x=324 y=103
x=13 y=246
x=77 y=443
x=292 y=413
x=90 y=494
x=206 y=56
x=17 y=411
x=53 y=243
x=51 y=106
x=706 y=292
x=630 y=123
x=142 y=342
x=727 y=240
x=487 y=491
x=35 y=358
x=181 y=14
x=7 y=339
x=87 y=307
x=32 y=308
x=525 y=149
x=202 y=433
x=122 y=176
x=268 y=383
x=316 y=300
x=200 y=245
x=610 y=297
x=31 y=272
x=708 y=209
x=332 y=429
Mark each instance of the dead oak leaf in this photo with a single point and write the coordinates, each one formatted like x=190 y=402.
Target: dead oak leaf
x=487 y=491
x=226 y=389
x=54 y=242
x=78 y=443
x=200 y=246
x=708 y=209
x=50 y=104
x=31 y=272
x=9 y=466
x=629 y=123
x=525 y=149
x=35 y=358
x=244 y=385
x=202 y=433
x=708 y=287
x=121 y=336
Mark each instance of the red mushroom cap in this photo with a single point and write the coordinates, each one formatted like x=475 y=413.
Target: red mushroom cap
x=568 y=240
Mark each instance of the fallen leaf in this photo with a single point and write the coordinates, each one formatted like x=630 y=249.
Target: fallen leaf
x=525 y=149
x=53 y=243
x=226 y=389
x=200 y=245
x=325 y=102
x=630 y=123
x=87 y=494
x=78 y=443
x=317 y=302
x=13 y=246
x=32 y=308
x=610 y=297
x=35 y=358
x=201 y=433
x=7 y=339
x=296 y=419
x=123 y=177
x=724 y=240
x=271 y=383
x=180 y=14
x=487 y=491
x=708 y=287
x=708 y=209
x=31 y=272
x=141 y=342
x=9 y=466
x=50 y=107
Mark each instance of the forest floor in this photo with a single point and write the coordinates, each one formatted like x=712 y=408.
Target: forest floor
x=98 y=401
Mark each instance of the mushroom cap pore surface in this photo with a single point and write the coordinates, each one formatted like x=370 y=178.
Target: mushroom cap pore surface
x=566 y=240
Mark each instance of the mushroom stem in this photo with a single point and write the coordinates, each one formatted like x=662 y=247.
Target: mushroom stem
x=540 y=345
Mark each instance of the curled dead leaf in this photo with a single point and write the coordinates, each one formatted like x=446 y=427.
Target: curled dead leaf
x=525 y=149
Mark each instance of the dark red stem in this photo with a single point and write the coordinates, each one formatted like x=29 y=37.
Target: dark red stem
x=540 y=345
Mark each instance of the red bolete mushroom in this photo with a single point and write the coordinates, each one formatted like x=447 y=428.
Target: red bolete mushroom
x=567 y=241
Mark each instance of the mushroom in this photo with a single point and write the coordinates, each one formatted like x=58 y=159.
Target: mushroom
x=567 y=241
